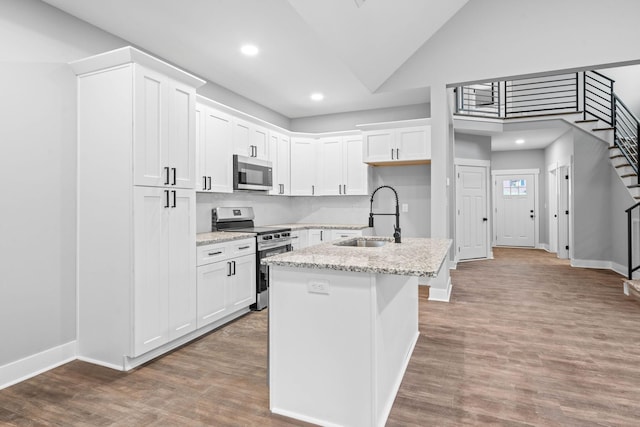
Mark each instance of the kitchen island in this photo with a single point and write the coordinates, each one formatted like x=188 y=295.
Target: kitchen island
x=343 y=322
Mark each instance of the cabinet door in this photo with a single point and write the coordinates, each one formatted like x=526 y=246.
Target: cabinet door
x=182 y=262
x=242 y=292
x=299 y=239
x=241 y=137
x=317 y=236
x=201 y=166
x=182 y=134
x=151 y=157
x=413 y=143
x=303 y=167
x=212 y=292
x=260 y=142
x=378 y=145
x=355 y=172
x=151 y=257
x=330 y=175
x=219 y=150
x=279 y=154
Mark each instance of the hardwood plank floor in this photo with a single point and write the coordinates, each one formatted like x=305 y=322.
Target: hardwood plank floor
x=525 y=340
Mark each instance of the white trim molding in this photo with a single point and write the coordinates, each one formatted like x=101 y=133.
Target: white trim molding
x=30 y=366
x=601 y=265
x=471 y=162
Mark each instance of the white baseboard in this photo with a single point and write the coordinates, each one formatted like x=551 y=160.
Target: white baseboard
x=453 y=265
x=543 y=246
x=20 y=370
x=437 y=294
x=599 y=264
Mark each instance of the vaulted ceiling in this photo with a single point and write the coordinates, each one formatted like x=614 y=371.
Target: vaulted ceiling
x=345 y=49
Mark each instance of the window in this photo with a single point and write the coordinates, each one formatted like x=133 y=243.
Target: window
x=514 y=187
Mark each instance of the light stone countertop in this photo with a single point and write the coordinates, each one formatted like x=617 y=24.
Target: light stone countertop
x=412 y=257
x=308 y=226
x=220 y=237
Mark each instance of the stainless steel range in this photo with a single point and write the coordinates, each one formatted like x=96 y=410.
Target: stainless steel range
x=269 y=241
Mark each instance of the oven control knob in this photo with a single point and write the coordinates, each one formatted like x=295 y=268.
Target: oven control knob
x=267 y=237
x=286 y=234
x=276 y=236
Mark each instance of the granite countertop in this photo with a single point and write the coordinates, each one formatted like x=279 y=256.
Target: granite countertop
x=220 y=236
x=412 y=257
x=308 y=226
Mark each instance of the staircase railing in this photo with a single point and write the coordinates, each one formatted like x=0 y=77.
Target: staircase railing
x=631 y=239
x=626 y=130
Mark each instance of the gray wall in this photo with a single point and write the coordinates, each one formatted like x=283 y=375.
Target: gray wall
x=224 y=96
x=592 y=198
x=477 y=147
x=527 y=159
x=411 y=182
x=38 y=167
x=620 y=200
x=348 y=121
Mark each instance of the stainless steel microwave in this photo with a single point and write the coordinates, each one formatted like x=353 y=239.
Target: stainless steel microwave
x=250 y=173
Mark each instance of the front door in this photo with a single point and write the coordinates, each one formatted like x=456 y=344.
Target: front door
x=515 y=215
x=471 y=229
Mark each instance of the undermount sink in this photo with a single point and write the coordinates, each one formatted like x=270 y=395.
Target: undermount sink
x=362 y=243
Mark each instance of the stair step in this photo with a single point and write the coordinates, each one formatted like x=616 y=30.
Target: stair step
x=623 y=165
x=613 y=147
x=633 y=186
x=628 y=175
x=602 y=129
x=617 y=156
x=634 y=285
x=586 y=121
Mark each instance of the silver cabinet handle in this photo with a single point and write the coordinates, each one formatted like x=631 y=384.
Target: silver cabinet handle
x=321 y=238
x=397 y=154
x=313 y=190
x=166 y=193
x=204 y=186
x=243 y=247
x=339 y=188
x=174 y=176
x=215 y=253
x=345 y=189
x=392 y=154
x=166 y=170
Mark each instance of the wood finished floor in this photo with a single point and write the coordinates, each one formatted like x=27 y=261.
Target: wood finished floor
x=525 y=340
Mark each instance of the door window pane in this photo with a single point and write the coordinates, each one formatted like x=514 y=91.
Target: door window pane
x=514 y=187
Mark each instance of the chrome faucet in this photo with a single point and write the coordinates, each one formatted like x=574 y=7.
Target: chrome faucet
x=396 y=228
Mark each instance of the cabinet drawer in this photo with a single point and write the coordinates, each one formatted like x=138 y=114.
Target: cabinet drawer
x=242 y=247
x=213 y=253
x=222 y=251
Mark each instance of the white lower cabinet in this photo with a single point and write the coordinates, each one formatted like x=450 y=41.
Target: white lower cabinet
x=299 y=239
x=164 y=293
x=226 y=279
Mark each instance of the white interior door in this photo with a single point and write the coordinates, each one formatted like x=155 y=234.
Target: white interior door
x=515 y=210
x=553 y=210
x=472 y=220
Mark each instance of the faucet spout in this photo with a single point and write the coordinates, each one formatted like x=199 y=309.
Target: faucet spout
x=396 y=229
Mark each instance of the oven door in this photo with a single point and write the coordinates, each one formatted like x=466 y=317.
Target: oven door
x=252 y=174
x=262 y=285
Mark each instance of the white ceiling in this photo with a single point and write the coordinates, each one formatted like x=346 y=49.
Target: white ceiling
x=330 y=46
x=536 y=134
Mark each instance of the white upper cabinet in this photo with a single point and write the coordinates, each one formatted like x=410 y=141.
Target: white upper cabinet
x=279 y=153
x=164 y=130
x=214 y=150
x=331 y=160
x=342 y=171
x=250 y=140
x=398 y=145
x=303 y=167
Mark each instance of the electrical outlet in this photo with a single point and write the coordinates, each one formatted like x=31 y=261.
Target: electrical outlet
x=405 y=207
x=318 y=287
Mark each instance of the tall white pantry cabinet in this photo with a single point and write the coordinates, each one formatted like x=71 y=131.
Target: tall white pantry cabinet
x=136 y=261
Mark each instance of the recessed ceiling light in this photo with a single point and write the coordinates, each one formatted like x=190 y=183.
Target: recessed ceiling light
x=317 y=96
x=519 y=141
x=249 y=50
